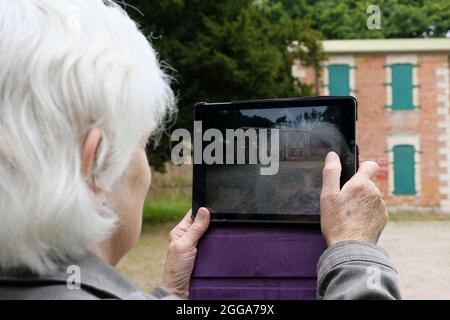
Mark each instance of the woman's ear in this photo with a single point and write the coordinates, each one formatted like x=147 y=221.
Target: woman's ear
x=89 y=154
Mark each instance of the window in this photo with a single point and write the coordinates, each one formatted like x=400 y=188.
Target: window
x=404 y=170
x=339 y=79
x=402 y=86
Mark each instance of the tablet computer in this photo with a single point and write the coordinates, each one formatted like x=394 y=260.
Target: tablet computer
x=262 y=160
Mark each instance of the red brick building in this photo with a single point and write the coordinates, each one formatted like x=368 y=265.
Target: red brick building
x=403 y=90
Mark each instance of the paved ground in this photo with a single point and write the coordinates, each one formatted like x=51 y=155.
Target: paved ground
x=420 y=250
x=421 y=253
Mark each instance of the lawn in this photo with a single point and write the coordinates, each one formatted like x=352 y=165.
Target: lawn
x=174 y=206
x=416 y=216
x=166 y=208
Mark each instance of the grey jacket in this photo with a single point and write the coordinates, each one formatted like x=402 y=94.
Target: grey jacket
x=97 y=280
x=349 y=270
x=356 y=270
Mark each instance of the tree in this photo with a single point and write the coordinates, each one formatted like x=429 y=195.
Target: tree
x=221 y=51
x=346 y=19
x=237 y=49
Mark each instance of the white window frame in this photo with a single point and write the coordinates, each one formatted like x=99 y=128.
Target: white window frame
x=342 y=59
x=401 y=139
x=402 y=59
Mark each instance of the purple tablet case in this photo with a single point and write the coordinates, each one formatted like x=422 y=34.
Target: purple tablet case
x=257 y=262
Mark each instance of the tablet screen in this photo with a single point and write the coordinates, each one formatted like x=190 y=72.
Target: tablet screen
x=266 y=158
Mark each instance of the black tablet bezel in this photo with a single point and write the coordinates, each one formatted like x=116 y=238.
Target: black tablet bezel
x=349 y=104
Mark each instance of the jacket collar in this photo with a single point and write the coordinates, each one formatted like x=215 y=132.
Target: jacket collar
x=96 y=276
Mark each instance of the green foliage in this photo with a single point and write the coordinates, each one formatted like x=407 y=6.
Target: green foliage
x=346 y=19
x=236 y=49
x=224 y=50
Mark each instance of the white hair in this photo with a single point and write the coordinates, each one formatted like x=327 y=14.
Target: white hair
x=67 y=66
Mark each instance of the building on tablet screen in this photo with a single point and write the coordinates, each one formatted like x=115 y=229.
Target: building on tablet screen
x=403 y=90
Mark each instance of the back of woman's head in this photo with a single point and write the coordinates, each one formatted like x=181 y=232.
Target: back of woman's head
x=67 y=66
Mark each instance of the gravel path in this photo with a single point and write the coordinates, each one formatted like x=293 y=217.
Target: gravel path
x=420 y=251
x=144 y=264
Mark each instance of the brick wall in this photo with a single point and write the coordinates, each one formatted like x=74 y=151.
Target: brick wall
x=378 y=127
x=371 y=95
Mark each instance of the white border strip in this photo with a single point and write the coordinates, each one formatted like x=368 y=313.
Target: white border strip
x=443 y=96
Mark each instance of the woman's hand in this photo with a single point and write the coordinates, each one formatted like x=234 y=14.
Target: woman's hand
x=182 y=252
x=357 y=212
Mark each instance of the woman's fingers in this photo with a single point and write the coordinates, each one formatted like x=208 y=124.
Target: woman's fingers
x=187 y=220
x=197 y=228
x=178 y=231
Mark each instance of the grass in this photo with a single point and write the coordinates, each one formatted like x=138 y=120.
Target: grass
x=166 y=208
x=174 y=206
x=411 y=216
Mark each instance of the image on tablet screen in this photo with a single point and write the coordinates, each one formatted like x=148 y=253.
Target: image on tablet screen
x=306 y=135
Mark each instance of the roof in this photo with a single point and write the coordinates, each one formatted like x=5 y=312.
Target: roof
x=386 y=45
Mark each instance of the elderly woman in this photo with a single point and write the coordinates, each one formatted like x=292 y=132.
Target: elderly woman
x=81 y=92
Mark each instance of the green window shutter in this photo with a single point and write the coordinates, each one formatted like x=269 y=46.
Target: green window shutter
x=339 y=79
x=404 y=172
x=402 y=86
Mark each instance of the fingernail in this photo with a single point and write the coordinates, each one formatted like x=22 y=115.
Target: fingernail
x=202 y=212
x=331 y=156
